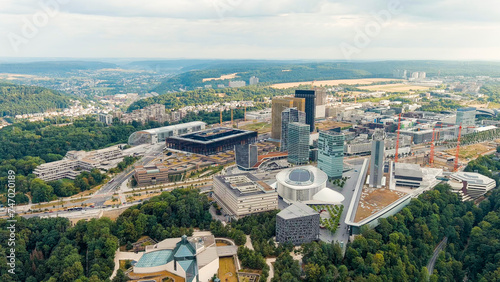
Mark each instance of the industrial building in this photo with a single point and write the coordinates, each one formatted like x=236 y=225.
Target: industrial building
x=159 y=135
x=331 y=153
x=151 y=175
x=288 y=116
x=278 y=106
x=211 y=141
x=297 y=224
x=298 y=143
x=243 y=194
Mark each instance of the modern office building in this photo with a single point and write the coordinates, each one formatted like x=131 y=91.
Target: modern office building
x=192 y=259
x=246 y=156
x=377 y=159
x=297 y=224
x=105 y=118
x=288 y=116
x=298 y=143
x=300 y=184
x=159 y=135
x=77 y=161
x=151 y=174
x=470 y=185
x=466 y=117
x=211 y=141
x=315 y=100
x=419 y=136
x=280 y=104
x=331 y=153
x=243 y=194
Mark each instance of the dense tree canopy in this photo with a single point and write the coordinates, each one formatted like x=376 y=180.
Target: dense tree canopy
x=21 y=99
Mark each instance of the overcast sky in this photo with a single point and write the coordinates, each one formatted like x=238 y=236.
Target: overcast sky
x=255 y=29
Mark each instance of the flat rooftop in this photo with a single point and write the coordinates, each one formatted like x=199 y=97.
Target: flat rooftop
x=213 y=135
x=296 y=210
x=373 y=200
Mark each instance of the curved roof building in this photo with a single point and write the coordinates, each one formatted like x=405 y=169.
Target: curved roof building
x=160 y=134
x=300 y=183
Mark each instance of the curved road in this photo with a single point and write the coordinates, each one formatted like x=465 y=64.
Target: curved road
x=432 y=261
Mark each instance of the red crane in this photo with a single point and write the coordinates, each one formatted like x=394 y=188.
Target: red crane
x=458 y=148
x=397 y=139
x=431 y=158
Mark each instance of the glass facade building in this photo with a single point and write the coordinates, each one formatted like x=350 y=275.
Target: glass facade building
x=298 y=143
x=288 y=116
x=331 y=153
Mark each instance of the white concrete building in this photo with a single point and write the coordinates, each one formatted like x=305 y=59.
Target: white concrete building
x=243 y=194
x=301 y=183
x=160 y=134
x=470 y=185
x=77 y=161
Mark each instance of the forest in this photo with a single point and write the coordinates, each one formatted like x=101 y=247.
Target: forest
x=20 y=99
x=397 y=250
x=209 y=96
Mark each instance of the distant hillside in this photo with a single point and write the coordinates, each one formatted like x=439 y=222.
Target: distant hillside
x=276 y=72
x=21 y=99
x=54 y=67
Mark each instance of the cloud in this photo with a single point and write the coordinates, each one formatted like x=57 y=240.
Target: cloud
x=277 y=29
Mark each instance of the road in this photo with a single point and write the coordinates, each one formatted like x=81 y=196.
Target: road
x=432 y=261
x=342 y=234
x=107 y=190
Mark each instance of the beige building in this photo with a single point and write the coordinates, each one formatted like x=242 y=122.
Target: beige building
x=280 y=104
x=243 y=194
x=151 y=175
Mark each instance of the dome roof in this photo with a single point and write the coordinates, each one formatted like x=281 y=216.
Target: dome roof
x=300 y=176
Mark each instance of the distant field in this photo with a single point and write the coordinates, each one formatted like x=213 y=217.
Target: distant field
x=222 y=77
x=332 y=82
x=400 y=87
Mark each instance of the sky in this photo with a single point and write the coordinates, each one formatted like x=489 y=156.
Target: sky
x=252 y=29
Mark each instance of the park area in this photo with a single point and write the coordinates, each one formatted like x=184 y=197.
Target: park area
x=227 y=270
x=373 y=200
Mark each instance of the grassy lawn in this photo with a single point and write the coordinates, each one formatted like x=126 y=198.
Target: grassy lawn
x=261 y=127
x=227 y=270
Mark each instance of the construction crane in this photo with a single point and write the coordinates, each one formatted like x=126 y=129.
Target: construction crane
x=455 y=168
x=221 y=117
x=431 y=157
x=397 y=139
